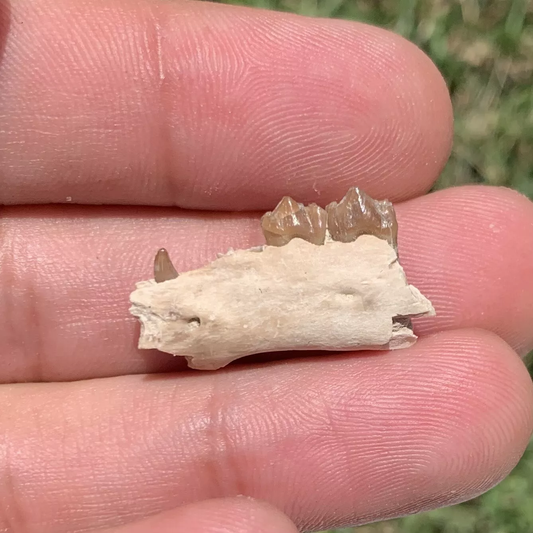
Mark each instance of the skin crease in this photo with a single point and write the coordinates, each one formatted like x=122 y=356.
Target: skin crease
x=203 y=106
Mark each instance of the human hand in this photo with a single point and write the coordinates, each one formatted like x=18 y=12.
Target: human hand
x=212 y=108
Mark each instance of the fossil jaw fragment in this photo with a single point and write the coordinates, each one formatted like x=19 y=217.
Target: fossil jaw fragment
x=326 y=280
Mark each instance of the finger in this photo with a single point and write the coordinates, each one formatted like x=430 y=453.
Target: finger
x=471 y=251
x=213 y=107
x=328 y=441
x=236 y=515
x=66 y=277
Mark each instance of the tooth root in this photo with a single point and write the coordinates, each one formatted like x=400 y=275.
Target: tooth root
x=163 y=268
x=291 y=220
x=359 y=214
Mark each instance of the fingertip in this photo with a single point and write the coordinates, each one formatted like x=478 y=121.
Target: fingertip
x=498 y=416
x=469 y=250
x=463 y=417
x=328 y=104
x=420 y=108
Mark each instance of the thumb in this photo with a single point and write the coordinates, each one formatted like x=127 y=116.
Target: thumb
x=238 y=515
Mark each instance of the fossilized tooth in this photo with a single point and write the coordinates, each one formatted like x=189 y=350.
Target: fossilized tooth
x=291 y=219
x=359 y=214
x=163 y=267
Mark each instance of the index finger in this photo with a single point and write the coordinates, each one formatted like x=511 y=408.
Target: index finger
x=210 y=107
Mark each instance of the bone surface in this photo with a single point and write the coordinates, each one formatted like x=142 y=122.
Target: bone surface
x=301 y=296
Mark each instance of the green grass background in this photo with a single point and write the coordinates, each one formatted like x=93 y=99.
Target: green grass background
x=484 y=48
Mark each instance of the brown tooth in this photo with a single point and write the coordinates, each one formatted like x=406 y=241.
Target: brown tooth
x=359 y=214
x=163 y=267
x=291 y=219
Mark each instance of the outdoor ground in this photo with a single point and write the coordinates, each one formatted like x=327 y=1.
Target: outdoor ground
x=484 y=48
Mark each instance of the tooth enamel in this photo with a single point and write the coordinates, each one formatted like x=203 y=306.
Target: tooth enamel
x=290 y=220
x=359 y=214
x=163 y=268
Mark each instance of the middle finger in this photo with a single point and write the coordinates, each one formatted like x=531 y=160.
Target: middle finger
x=67 y=275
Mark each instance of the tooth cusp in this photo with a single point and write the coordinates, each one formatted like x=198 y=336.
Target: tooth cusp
x=355 y=215
x=163 y=268
x=290 y=220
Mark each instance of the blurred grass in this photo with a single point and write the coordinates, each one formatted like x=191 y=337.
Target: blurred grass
x=484 y=48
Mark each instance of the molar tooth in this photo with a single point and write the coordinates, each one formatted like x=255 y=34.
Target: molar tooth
x=359 y=214
x=291 y=219
x=163 y=268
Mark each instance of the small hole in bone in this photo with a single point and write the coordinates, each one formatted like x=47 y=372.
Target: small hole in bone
x=349 y=292
x=194 y=322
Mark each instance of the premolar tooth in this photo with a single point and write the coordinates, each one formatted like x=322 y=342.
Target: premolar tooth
x=359 y=214
x=163 y=267
x=291 y=219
